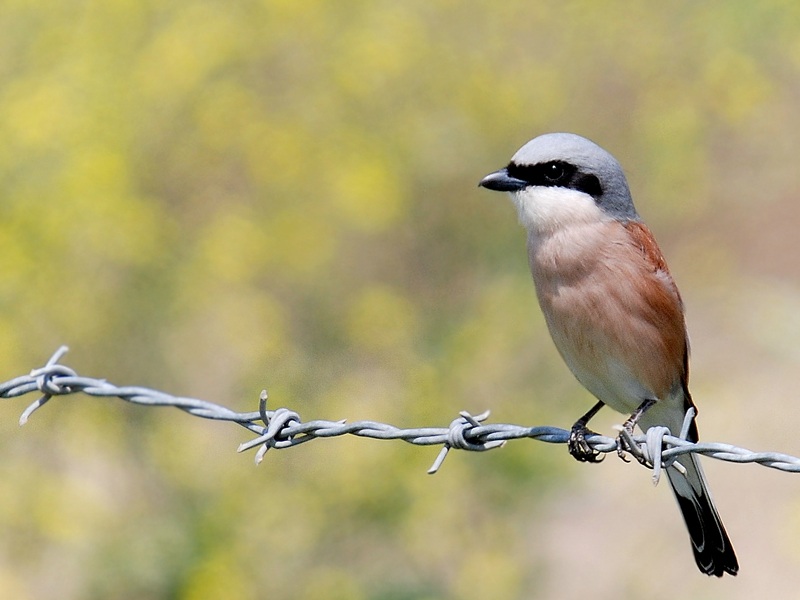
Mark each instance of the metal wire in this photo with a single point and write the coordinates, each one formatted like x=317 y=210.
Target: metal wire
x=283 y=428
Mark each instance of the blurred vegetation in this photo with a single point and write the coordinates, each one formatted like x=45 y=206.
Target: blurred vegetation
x=215 y=197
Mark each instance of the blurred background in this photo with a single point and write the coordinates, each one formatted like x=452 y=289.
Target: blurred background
x=214 y=197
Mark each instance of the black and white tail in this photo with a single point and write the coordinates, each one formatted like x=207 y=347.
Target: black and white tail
x=712 y=547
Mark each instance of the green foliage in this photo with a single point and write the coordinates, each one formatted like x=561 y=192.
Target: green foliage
x=213 y=197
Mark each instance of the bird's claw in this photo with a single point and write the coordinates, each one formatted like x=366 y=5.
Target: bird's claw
x=579 y=448
x=624 y=447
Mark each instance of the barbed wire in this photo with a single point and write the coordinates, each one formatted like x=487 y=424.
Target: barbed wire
x=283 y=428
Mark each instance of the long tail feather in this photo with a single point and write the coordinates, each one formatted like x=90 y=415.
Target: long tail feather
x=712 y=547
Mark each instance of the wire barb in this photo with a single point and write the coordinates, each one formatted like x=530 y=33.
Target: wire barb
x=458 y=436
x=283 y=428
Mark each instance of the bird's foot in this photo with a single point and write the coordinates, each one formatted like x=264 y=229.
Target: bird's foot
x=579 y=448
x=625 y=445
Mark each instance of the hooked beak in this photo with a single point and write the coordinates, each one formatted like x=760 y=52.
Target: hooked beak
x=501 y=181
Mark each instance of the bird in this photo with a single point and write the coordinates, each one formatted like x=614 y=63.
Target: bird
x=612 y=309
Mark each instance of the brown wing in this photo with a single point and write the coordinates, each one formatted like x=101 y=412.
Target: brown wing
x=643 y=238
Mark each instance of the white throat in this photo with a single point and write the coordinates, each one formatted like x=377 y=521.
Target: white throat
x=548 y=209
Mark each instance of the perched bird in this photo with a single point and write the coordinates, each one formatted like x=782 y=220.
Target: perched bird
x=612 y=308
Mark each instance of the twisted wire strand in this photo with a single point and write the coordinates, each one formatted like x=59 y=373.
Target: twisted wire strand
x=283 y=428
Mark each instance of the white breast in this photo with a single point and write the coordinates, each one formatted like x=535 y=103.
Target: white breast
x=590 y=281
x=548 y=209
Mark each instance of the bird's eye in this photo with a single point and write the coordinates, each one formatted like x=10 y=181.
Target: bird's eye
x=553 y=171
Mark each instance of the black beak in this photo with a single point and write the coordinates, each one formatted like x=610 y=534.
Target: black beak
x=501 y=181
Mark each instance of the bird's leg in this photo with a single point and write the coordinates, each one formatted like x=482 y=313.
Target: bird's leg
x=628 y=425
x=579 y=449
